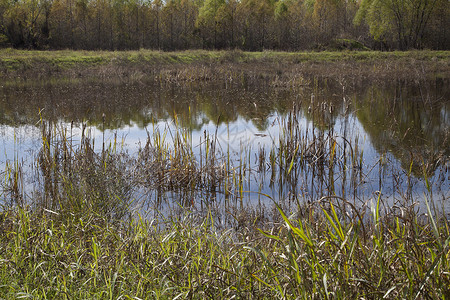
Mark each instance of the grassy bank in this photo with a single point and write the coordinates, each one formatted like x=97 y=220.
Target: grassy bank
x=319 y=253
x=218 y=65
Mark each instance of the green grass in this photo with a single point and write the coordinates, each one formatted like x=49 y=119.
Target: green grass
x=318 y=254
x=9 y=58
x=29 y=67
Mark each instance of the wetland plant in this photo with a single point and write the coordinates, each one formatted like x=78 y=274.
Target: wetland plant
x=85 y=233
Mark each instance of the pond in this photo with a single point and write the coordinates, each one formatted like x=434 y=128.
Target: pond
x=247 y=144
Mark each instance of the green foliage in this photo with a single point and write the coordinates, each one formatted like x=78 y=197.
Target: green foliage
x=219 y=24
x=209 y=20
x=208 y=12
x=281 y=9
x=309 y=5
x=405 y=22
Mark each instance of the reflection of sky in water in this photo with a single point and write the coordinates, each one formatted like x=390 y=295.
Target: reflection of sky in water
x=18 y=143
x=22 y=144
x=386 y=120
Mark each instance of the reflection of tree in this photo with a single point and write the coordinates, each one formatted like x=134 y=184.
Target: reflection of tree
x=227 y=106
x=321 y=112
x=412 y=123
x=106 y=106
x=110 y=106
x=324 y=106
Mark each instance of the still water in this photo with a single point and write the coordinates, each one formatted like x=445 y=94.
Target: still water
x=397 y=133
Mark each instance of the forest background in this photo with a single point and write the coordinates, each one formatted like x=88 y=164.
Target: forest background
x=252 y=25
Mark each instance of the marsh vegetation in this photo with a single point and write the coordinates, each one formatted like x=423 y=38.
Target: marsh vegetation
x=242 y=180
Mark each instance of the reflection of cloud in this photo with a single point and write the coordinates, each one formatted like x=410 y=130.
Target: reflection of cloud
x=236 y=135
x=241 y=134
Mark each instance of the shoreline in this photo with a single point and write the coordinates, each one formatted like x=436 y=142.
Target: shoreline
x=199 y=65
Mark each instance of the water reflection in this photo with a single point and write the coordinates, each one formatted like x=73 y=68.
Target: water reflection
x=406 y=124
x=111 y=106
x=412 y=122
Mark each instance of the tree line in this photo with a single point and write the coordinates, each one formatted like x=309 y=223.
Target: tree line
x=224 y=24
